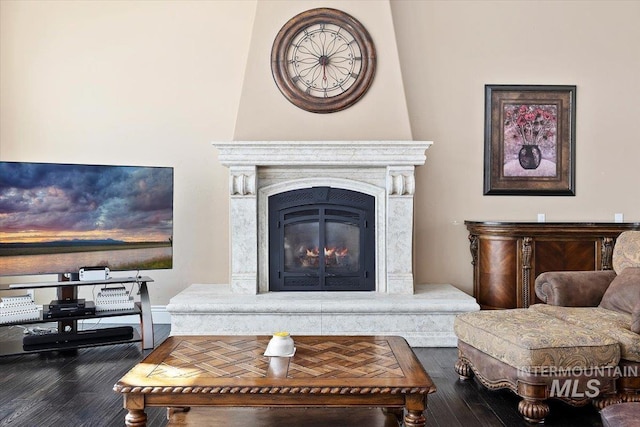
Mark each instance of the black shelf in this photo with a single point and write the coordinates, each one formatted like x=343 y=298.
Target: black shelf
x=117 y=280
x=14 y=347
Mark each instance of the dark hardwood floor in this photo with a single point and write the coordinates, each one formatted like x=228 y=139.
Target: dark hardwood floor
x=58 y=389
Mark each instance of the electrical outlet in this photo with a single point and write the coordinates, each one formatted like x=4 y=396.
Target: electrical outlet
x=542 y=218
x=618 y=217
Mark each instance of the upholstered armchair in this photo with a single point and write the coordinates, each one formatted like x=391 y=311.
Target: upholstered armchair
x=606 y=302
x=586 y=336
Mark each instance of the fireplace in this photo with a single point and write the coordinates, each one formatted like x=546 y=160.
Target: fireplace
x=317 y=190
x=381 y=172
x=321 y=239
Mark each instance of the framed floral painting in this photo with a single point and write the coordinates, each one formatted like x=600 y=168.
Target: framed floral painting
x=529 y=141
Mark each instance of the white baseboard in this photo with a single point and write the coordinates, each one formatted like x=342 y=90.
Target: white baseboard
x=160 y=315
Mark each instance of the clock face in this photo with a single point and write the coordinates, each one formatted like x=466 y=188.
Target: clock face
x=323 y=60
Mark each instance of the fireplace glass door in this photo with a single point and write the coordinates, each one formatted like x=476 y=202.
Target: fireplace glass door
x=321 y=239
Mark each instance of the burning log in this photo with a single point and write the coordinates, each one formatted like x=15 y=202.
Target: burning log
x=333 y=257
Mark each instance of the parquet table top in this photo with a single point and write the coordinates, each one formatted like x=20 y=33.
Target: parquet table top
x=320 y=361
x=242 y=357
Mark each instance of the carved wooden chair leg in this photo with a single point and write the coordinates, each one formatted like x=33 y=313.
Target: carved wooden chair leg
x=463 y=369
x=631 y=397
x=534 y=411
x=601 y=402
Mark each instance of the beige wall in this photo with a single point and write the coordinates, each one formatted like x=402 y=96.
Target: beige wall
x=132 y=82
x=144 y=82
x=450 y=49
x=264 y=114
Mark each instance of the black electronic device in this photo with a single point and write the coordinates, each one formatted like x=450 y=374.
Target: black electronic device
x=119 y=333
x=66 y=304
x=88 y=310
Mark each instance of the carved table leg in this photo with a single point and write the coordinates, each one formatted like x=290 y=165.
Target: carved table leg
x=415 y=419
x=134 y=404
x=533 y=411
x=415 y=405
x=135 y=418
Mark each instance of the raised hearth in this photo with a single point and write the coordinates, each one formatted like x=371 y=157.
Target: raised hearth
x=424 y=319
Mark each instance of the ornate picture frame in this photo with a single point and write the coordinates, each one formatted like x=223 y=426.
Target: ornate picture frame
x=529 y=140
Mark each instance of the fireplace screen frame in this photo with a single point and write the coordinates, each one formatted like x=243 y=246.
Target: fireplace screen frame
x=322 y=205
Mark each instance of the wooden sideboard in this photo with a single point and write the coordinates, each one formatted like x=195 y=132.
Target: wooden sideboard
x=508 y=256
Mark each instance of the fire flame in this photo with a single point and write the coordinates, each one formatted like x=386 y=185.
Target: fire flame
x=328 y=252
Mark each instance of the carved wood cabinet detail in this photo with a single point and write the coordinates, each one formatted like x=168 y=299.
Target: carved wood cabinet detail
x=508 y=256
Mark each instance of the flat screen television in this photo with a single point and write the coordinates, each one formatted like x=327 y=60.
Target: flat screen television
x=57 y=218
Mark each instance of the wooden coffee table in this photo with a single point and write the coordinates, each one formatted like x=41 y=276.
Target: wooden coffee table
x=326 y=371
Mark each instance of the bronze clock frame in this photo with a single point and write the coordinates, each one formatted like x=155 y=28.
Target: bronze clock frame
x=355 y=82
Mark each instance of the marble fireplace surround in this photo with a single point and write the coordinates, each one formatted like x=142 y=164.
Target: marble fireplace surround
x=382 y=169
x=423 y=314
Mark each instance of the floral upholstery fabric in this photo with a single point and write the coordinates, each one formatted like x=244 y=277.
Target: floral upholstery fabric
x=605 y=322
x=626 y=251
x=530 y=339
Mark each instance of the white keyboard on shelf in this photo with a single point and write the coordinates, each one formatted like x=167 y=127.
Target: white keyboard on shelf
x=117 y=298
x=18 y=308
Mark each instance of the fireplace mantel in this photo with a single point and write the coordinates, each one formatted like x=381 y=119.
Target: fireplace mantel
x=382 y=169
x=322 y=153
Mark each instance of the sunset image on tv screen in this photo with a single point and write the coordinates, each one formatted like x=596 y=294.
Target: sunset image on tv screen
x=58 y=218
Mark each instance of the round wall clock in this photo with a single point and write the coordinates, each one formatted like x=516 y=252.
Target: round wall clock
x=323 y=60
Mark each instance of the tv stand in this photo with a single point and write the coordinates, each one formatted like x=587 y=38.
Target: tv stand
x=67 y=290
